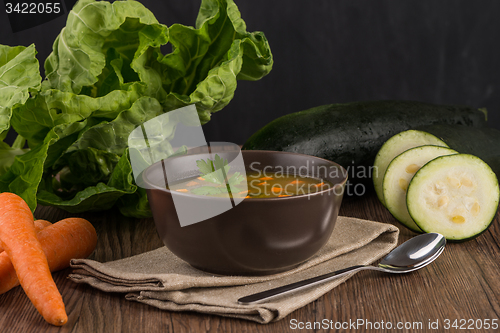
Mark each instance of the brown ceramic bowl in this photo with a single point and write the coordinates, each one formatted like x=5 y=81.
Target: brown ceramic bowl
x=258 y=236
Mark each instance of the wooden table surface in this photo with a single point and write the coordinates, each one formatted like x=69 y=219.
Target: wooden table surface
x=463 y=284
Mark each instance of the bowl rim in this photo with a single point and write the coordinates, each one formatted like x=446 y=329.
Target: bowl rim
x=152 y=186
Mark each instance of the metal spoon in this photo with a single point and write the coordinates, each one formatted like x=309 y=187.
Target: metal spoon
x=409 y=256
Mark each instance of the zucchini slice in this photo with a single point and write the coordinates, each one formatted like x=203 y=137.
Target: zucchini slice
x=455 y=195
x=395 y=146
x=398 y=176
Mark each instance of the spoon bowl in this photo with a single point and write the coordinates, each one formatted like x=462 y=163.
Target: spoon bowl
x=413 y=254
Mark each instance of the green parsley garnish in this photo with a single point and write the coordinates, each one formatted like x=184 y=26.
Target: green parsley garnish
x=216 y=172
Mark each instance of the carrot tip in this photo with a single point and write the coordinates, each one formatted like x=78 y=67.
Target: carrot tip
x=59 y=321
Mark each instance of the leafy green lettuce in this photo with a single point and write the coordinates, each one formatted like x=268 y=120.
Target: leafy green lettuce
x=19 y=76
x=106 y=76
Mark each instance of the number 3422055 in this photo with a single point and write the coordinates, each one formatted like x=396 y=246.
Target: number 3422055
x=464 y=324
x=33 y=8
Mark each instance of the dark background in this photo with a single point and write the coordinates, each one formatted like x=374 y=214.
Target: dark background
x=335 y=51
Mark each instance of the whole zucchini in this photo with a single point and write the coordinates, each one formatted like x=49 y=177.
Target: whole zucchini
x=482 y=142
x=351 y=134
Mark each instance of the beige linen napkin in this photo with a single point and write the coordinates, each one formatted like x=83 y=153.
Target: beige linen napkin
x=160 y=279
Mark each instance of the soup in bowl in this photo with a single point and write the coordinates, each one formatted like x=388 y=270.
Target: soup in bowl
x=281 y=209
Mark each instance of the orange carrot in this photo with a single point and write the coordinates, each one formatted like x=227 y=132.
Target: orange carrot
x=67 y=239
x=61 y=242
x=8 y=277
x=18 y=238
x=39 y=225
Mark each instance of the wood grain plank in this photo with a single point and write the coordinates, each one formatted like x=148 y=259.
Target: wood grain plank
x=462 y=283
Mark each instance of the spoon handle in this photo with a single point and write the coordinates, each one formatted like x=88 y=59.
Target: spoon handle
x=289 y=288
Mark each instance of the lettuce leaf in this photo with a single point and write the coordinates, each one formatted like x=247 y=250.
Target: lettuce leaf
x=106 y=76
x=19 y=76
x=97 y=197
x=25 y=174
